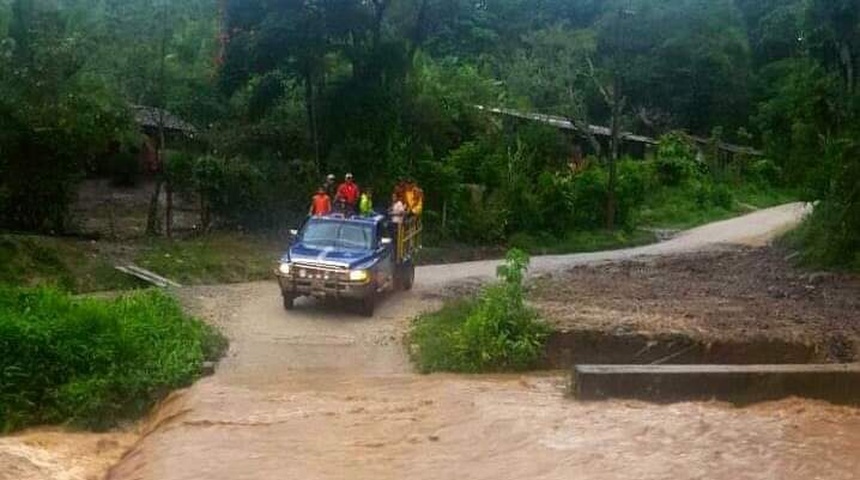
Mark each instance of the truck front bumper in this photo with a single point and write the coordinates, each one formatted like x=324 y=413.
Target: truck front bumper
x=319 y=288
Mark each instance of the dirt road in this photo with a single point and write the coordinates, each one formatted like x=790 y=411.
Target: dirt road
x=321 y=394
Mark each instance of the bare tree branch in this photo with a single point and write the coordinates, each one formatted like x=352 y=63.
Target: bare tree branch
x=592 y=74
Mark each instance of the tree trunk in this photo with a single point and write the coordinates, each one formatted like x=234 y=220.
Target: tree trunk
x=168 y=209
x=310 y=105
x=205 y=215
x=380 y=6
x=616 y=105
x=152 y=217
x=614 y=155
x=611 y=200
x=418 y=31
x=152 y=223
x=847 y=58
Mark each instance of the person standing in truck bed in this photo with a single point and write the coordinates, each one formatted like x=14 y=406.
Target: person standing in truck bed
x=330 y=186
x=349 y=192
x=320 y=203
x=397 y=212
x=365 y=205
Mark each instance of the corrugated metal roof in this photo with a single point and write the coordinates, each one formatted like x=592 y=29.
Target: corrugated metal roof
x=151 y=117
x=565 y=124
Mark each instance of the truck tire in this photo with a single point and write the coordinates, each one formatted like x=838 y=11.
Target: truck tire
x=289 y=301
x=407 y=276
x=368 y=304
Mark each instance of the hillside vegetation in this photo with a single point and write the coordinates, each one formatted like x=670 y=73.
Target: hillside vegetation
x=283 y=93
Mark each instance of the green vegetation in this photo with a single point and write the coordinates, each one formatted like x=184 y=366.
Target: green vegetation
x=496 y=331
x=92 y=362
x=683 y=208
x=285 y=92
x=78 y=266
x=71 y=265
x=212 y=259
x=816 y=237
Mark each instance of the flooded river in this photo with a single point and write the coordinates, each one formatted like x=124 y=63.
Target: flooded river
x=318 y=393
x=321 y=394
x=487 y=428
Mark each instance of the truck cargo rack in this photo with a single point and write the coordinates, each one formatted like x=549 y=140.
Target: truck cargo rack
x=408 y=237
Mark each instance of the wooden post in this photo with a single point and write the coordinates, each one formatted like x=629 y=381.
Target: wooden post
x=168 y=210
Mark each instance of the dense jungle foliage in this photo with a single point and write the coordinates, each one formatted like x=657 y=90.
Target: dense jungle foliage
x=283 y=92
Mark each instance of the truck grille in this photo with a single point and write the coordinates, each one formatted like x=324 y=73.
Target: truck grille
x=316 y=272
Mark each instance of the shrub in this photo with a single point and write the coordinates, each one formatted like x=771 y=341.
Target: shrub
x=765 y=172
x=495 y=332
x=94 y=362
x=635 y=180
x=722 y=196
x=589 y=198
x=233 y=189
x=709 y=194
x=581 y=203
x=532 y=242
x=676 y=160
x=486 y=221
x=829 y=237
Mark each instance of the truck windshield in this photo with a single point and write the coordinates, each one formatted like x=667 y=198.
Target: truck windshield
x=321 y=234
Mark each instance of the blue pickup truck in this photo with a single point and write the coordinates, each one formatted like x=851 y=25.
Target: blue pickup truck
x=348 y=258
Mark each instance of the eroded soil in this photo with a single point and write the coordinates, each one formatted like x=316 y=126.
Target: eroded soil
x=733 y=293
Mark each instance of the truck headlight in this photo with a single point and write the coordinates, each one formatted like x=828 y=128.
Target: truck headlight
x=358 y=275
x=284 y=268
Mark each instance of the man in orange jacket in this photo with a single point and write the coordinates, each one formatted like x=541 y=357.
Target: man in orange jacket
x=321 y=203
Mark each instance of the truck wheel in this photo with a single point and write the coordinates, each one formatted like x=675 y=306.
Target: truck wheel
x=407 y=278
x=368 y=304
x=289 y=302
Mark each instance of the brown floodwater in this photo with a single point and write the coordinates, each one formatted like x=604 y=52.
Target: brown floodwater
x=58 y=454
x=319 y=393
x=489 y=427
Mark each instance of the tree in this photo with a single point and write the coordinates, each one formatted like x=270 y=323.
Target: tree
x=685 y=61
x=54 y=119
x=809 y=122
x=558 y=71
x=834 y=27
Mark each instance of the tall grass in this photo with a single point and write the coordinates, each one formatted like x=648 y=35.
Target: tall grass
x=92 y=362
x=220 y=258
x=72 y=265
x=496 y=331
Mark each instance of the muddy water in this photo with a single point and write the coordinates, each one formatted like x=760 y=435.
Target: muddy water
x=493 y=428
x=321 y=394
x=60 y=455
